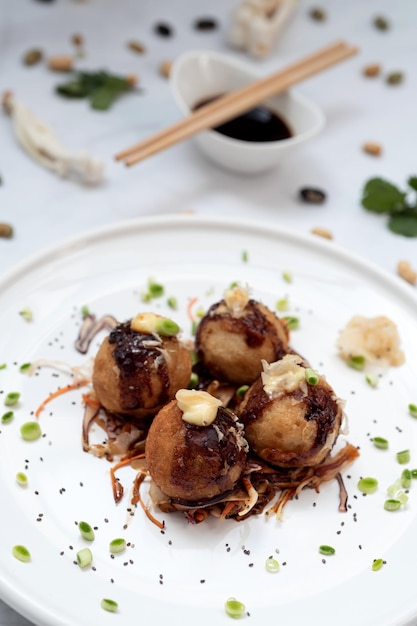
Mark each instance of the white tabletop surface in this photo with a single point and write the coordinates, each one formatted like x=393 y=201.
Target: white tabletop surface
x=44 y=209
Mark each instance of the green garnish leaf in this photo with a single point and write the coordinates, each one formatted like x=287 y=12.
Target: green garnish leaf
x=404 y=223
x=412 y=182
x=380 y=196
x=101 y=88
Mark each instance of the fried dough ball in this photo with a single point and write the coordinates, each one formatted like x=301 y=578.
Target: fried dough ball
x=195 y=464
x=136 y=372
x=236 y=334
x=288 y=421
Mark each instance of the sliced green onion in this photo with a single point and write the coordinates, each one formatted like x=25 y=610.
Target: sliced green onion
x=6 y=418
x=271 y=565
x=200 y=313
x=193 y=381
x=414 y=473
x=291 y=322
x=394 y=488
x=86 y=531
x=117 y=545
x=172 y=303
x=27 y=314
x=234 y=608
x=327 y=550
x=3 y=366
x=412 y=409
x=109 y=605
x=372 y=379
x=156 y=290
x=21 y=479
x=287 y=276
x=402 y=497
x=311 y=376
x=282 y=304
x=368 y=485
x=357 y=363
x=166 y=327
x=392 y=504
x=240 y=392
x=406 y=479
x=245 y=256
x=403 y=457
x=30 y=431
x=380 y=442
x=84 y=557
x=85 y=311
x=12 y=398
x=24 y=367
x=194 y=325
x=21 y=553
x=377 y=564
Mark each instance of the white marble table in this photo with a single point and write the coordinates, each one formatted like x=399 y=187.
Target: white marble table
x=44 y=209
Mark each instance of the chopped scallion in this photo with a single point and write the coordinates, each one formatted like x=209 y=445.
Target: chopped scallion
x=291 y=322
x=193 y=381
x=117 y=545
x=412 y=409
x=406 y=479
x=172 y=303
x=30 y=431
x=240 y=392
x=86 y=531
x=84 y=557
x=271 y=565
x=12 y=398
x=109 y=605
x=234 y=608
x=403 y=457
x=166 y=327
x=6 y=418
x=311 y=376
x=372 y=379
x=21 y=479
x=21 y=553
x=3 y=366
x=245 y=256
x=27 y=314
x=24 y=367
x=368 y=485
x=327 y=550
x=392 y=504
x=357 y=363
x=377 y=564
x=380 y=442
x=287 y=276
x=282 y=304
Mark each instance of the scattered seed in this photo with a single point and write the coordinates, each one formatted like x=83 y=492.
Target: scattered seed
x=205 y=24
x=60 y=63
x=381 y=22
x=394 y=78
x=164 y=30
x=371 y=70
x=165 y=68
x=406 y=272
x=312 y=195
x=77 y=40
x=136 y=46
x=6 y=231
x=32 y=57
x=322 y=232
x=372 y=148
x=318 y=14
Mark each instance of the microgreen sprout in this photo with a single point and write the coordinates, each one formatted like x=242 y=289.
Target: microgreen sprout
x=30 y=431
x=6 y=418
x=109 y=605
x=234 y=608
x=403 y=457
x=21 y=553
x=368 y=485
x=86 y=531
x=84 y=557
x=12 y=398
x=117 y=545
x=380 y=442
x=311 y=376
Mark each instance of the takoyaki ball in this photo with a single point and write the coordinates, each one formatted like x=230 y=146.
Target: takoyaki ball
x=140 y=366
x=290 y=422
x=195 y=449
x=236 y=334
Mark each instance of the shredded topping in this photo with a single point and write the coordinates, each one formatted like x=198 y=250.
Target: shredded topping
x=236 y=300
x=283 y=376
x=375 y=339
x=199 y=407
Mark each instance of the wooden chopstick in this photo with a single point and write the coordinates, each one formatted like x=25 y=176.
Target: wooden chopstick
x=237 y=102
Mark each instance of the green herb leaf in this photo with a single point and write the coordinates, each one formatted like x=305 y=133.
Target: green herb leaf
x=380 y=196
x=412 y=182
x=101 y=88
x=404 y=223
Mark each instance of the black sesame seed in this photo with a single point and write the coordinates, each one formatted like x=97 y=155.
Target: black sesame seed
x=163 y=30
x=205 y=24
x=312 y=195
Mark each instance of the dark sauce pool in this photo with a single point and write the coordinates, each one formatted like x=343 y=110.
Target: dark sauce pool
x=259 y=124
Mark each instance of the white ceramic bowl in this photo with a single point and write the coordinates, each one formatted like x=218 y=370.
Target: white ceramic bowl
x=200 y=75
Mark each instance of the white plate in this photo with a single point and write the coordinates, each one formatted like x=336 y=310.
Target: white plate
x=186 y=574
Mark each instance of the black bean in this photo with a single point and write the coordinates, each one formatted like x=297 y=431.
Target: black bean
x=312 y=195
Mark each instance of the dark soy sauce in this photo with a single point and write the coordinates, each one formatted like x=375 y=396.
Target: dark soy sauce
x=259 y=124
